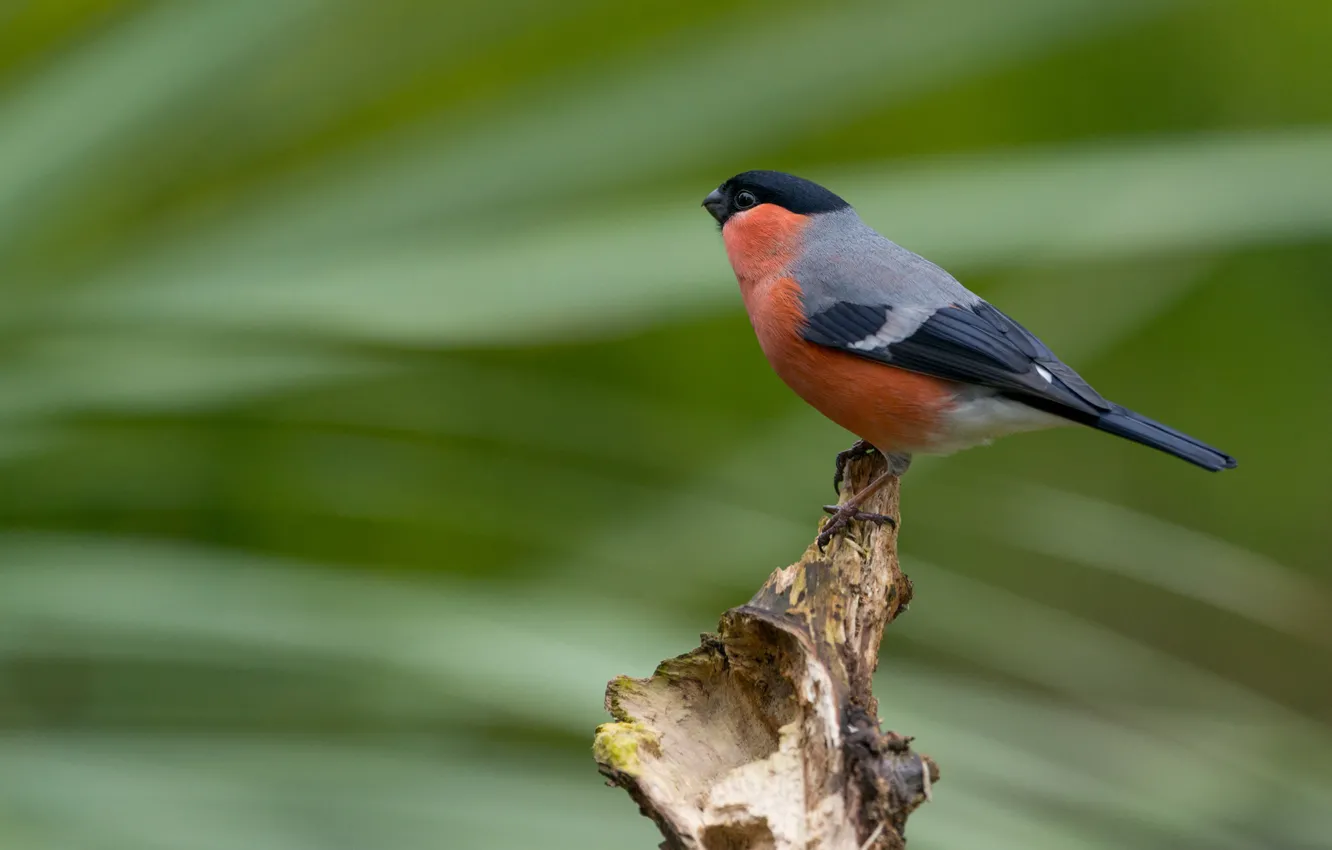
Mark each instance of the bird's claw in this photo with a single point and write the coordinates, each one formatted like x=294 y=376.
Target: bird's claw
x=842 y=515
x=858 y=449
x=860 y=516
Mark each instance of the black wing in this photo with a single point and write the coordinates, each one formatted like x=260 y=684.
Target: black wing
x=973 y=344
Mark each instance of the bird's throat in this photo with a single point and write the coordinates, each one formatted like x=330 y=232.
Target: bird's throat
x=763 y=243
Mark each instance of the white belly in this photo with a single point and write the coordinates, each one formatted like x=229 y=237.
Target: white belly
x=982 y=416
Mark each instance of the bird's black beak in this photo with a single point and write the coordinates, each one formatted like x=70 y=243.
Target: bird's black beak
x=715 y=203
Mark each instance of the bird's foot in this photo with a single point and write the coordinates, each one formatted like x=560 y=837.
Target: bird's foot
x=842 y=515
x=858 y=449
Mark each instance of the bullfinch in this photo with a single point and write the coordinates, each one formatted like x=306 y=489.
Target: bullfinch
x=890 y=346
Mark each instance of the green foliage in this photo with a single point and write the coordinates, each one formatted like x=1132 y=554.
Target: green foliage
x=372 y=390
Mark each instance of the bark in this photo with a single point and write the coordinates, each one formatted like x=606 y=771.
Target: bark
x=767 y=735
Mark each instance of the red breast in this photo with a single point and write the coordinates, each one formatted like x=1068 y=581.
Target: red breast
x=895 y=410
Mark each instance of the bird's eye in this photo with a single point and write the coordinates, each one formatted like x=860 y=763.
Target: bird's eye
x=745 y=200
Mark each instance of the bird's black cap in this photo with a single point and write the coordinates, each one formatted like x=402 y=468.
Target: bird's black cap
x=787 y=191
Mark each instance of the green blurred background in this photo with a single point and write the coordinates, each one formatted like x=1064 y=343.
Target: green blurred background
x=373 y=389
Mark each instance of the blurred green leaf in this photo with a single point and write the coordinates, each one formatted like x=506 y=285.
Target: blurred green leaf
x=616 y=269
x=145 y=372
x=1078 y=529
x=67 y=124
x=673 y=104
x=131 y=791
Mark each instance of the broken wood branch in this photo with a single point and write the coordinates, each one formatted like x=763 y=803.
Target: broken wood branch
x=767 y=735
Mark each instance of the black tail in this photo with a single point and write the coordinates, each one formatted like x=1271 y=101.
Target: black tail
x=1123 y=422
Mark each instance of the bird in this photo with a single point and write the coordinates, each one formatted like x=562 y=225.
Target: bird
x=893 y=348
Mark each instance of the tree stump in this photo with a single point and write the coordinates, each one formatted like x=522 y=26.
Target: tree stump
x=767 y=735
